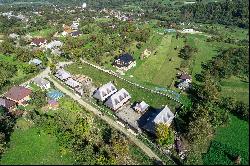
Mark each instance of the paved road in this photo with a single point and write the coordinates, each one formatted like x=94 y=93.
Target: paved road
x=110 y=121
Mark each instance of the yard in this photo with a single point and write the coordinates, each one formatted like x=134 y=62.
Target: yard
x=230 y=141
x=136 y=93
x=20 y=76
x=29 y=145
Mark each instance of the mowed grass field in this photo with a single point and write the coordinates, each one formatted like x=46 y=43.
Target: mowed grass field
x=31 y=147
x=235 y=137
x=160 y=67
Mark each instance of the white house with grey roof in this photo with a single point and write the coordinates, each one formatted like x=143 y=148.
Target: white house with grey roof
x=105 y=91
x=35 y=61
x=42 y=83
x=72 y=83
x=118 y=99
x=62 y=74
x=165 y=116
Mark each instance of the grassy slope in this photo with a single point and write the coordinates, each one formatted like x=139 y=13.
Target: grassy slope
x=157 y=69
x=28 y=147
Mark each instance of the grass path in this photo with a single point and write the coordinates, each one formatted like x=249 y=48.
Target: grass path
x=167 y=72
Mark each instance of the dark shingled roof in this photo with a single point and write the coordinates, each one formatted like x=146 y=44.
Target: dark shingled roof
x=6 y=103
x=124 y=59
x=17 y=93
x=76 y=33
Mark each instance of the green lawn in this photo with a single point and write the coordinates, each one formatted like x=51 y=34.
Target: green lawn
x=236 y=88
x=33 y=148
x=136 y=93
x=235 y=137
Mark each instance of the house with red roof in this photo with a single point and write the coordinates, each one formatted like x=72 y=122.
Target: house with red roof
x=19 y=94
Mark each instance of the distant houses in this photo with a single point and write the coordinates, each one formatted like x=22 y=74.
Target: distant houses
x=19 y=94
x=124 y=62
x=118 y=99
x=38 y=42
x=75 y=25
x=54 y=44
x=72 y=30
x=76 y=34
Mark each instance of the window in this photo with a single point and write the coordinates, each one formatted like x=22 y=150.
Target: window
x=116 y=102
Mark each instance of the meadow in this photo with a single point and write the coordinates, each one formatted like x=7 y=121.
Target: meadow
x=29 y=145
x=229 y=142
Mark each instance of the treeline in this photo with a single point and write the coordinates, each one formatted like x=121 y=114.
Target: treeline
x=235 y=12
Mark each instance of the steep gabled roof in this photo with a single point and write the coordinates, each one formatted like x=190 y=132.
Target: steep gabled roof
x=165 y=116
x=118 y=99
x=105 y=91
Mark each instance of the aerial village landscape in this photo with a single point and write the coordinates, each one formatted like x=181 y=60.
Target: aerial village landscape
x=92 y=83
